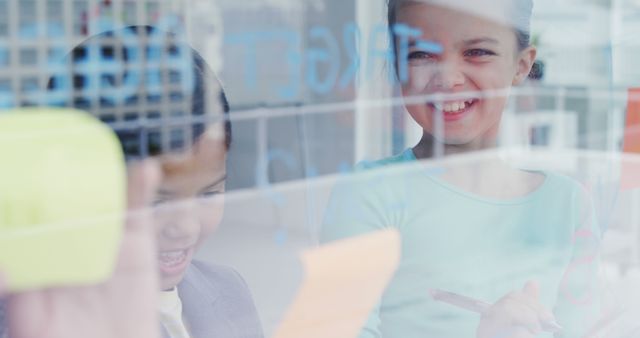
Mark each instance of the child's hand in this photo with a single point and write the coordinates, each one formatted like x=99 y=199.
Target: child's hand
x=123 y=306
x=519 y=314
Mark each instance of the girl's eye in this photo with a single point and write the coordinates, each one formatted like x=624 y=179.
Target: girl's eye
x=478 y=52
x=420 y=56
x=209 y=194
x=159 y=202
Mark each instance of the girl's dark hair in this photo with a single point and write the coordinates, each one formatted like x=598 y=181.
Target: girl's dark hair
x=128 y=118
x=521 y=16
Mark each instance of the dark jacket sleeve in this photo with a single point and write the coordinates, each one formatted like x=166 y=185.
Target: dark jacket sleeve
x=3 y=319
x=235 y=300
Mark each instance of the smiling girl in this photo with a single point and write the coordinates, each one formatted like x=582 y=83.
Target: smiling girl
x=479 y=228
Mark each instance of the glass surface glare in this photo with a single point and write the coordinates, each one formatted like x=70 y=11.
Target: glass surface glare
x=498 y=138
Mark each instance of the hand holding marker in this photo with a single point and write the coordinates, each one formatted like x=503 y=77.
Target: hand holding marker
x=479 y=306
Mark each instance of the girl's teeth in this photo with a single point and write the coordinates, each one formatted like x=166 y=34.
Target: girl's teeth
x=172 y=257
x=452 y=107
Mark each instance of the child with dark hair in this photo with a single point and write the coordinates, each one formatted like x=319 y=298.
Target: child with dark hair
x=163 y=101
x=215 y=300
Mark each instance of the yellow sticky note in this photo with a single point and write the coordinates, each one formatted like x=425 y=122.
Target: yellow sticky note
x=62 y=198
x=343 y=282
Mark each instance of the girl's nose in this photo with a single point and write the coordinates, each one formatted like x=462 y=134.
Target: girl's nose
x=448 y=75
x=182 y=223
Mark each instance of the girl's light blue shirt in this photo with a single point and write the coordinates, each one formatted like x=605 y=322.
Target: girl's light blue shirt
x=468 y=244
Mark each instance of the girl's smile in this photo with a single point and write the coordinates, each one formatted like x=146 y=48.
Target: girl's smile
x=173 y=263
x=452 y=111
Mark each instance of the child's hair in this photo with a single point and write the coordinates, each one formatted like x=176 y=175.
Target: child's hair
x=138 y=139
x=520 y=18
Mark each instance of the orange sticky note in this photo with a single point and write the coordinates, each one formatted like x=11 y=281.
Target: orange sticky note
x=630 y=178
x=343 y=282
